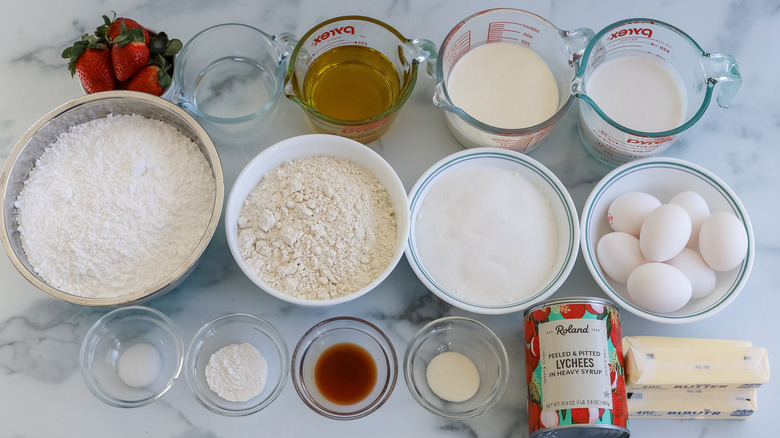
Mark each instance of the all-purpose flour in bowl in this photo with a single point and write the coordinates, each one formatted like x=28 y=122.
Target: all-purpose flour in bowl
x=114 y=206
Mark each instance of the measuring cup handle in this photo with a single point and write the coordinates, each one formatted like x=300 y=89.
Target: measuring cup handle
x=722 y=70
x=577 y=40
x=424 y=50
x=285 y=43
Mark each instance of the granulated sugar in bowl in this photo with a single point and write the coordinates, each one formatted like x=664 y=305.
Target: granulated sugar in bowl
x=317 y=220
x=111 y=199
x=492 y=230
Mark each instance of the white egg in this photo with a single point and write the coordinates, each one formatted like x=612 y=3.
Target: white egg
x=664 y=233
x=658 y=287
x=699 y=273
x=627 y=212
x=697 y=209
x=618 y=254
x=723 y=241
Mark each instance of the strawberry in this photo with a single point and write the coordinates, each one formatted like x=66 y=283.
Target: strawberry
x=91 y=59
x=151 y=79
x=112 y=28
x=129 y=53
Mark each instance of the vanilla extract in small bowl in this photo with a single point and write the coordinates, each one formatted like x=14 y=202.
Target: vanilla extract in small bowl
x=344 y=368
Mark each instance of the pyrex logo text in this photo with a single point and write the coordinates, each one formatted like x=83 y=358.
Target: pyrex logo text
x=333 y=32
x=632 y=31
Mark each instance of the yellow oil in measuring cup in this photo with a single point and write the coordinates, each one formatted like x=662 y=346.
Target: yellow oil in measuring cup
x=352 y=74
x=351 y=83
x=518 y=69
x=642 y=83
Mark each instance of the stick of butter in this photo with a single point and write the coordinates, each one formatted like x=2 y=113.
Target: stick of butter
x=726 y=405
x=689 y=364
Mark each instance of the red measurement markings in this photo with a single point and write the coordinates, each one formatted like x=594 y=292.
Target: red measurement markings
x=459 y=47
x=506 y=30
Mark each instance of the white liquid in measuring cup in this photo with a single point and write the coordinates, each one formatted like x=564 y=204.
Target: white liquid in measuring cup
x=638 y=93
x=505 y=85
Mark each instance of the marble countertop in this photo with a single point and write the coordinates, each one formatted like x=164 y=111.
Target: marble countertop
x=41 y=390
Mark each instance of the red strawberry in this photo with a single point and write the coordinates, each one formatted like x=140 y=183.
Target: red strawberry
x=150 y=80
x=129 y=53
x=113 y=28
x=572 y=311
x=91 y=59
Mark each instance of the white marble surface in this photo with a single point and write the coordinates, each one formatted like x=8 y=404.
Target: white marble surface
x=41 y=390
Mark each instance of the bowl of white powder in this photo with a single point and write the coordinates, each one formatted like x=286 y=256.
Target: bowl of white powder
x=237 y=364
x=110 y=199
x=492 y=230
x=317 y=220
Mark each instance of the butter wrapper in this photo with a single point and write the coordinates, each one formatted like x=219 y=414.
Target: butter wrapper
x=693 y=365
x=718 y=405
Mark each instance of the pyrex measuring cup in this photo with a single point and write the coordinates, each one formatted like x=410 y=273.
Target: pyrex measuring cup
x=230 y=77
x=351 y=74
x=559 y=49
x=635 y=41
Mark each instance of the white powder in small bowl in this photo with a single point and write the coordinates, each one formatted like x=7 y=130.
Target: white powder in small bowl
x=237 y=372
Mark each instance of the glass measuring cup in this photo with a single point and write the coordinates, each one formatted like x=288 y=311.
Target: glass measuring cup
x=559 y=49
x=230 y=77
x=351 y=74
x=694 y=71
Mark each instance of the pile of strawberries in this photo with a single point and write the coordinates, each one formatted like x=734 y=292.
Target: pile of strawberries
x=123 y=55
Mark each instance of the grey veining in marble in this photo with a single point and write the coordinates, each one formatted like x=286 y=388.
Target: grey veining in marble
x=41 y=390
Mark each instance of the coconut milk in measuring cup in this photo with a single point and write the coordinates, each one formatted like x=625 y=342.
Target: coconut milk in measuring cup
x=642 y=82
x=351 y=74
x=503 y=78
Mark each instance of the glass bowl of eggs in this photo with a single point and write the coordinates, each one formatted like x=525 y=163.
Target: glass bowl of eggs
x=668 y=240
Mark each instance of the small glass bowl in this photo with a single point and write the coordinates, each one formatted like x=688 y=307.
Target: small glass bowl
x=344 y=330
x=470 y=338
x=111 y=336
x=236 y=329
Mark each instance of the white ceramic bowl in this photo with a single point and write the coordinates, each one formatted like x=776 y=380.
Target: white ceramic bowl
x=316 y=145
x=663 y=178
x=550 y=187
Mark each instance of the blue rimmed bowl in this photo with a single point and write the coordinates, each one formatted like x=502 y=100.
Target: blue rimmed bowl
x=562 y=212
x=663 y=178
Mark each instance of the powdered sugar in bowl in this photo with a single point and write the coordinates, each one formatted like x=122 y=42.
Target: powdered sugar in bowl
x=317 y=220
x=99 y=206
